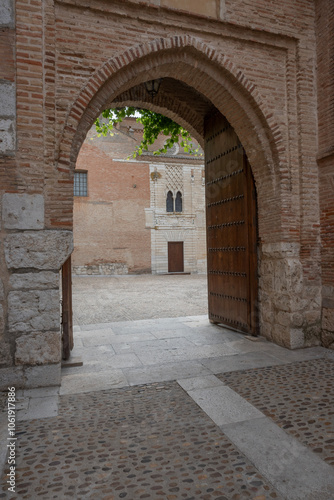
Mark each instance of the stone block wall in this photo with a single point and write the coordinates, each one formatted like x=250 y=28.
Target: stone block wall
x=33 y=257
x=101 y=269
x=290 y=313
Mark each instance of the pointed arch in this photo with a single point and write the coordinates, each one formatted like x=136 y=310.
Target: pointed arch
x=160 y=58
x=211 y=74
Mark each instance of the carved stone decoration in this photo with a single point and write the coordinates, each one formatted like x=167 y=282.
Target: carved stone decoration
x=174 y=178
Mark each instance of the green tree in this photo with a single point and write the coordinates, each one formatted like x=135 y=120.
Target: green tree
x=153 y=125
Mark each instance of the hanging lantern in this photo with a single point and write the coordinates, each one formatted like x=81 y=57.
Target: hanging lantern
x=152 y=87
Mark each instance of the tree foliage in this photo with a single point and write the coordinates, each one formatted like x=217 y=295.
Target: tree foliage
x=153 y=123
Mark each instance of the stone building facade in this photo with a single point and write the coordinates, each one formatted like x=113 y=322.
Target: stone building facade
x=120 y=221
x=267 y=67
x=184 y=225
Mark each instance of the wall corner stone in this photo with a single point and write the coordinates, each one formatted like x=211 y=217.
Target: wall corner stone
x=38 y=348
x=7 y=14
x=23 y=211
x=41 y=250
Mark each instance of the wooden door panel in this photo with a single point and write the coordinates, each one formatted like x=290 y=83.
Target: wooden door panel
x=231 y=231
x=67 y=314
x=175 y=257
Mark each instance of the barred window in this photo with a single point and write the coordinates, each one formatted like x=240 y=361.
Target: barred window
x=178 y=202
x=80 y=184
x=169 y=202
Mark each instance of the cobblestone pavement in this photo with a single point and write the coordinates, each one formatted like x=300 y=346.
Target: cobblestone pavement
x=298 y=397
x=105 y=299
x=174 y=408
x=143 y=442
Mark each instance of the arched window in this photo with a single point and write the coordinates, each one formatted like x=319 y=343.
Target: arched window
x=169 y=202
x=178 y=202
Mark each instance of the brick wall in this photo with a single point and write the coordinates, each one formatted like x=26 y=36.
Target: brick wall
x=109 y=224
x=325 y=81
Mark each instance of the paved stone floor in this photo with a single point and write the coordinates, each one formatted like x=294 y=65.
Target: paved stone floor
x=176 y=408
x=144 y=442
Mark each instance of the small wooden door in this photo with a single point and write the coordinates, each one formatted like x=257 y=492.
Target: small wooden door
x=231 y=228
x=67 y=314
x=175 y=257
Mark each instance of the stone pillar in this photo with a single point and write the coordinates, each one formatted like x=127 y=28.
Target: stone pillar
x=33 y=257
x=290 y=308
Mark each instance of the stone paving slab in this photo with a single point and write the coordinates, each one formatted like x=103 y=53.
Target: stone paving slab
x=298 y=397
x=97 y=338
x=185 y=354
x=40 y=407
x=246 y=345
x=223 y=405
x=98 y=364
x=210 y=337
x=296 y=472
x=144 y=442
x=170 y=333
x=165 y=372
x=147 y=346
x=240 y=362
x=301 y=354
x=83 y=382
x=190 y=384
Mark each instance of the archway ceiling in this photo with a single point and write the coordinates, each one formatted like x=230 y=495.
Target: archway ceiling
x=184 y=102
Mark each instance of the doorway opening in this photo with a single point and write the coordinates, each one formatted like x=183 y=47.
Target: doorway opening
x=230 y=205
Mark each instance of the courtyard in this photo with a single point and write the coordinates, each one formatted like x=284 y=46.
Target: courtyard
x=104 y=299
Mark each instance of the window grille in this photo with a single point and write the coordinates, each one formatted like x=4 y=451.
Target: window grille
x=80 y=184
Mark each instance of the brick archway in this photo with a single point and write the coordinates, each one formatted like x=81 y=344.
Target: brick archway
x=67 y=60
x=211 y=74
x=215 y=77
x=164 y=57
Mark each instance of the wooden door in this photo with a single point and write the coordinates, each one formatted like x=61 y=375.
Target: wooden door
x=231 y=229
x=67 y=314
x=175 y=257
